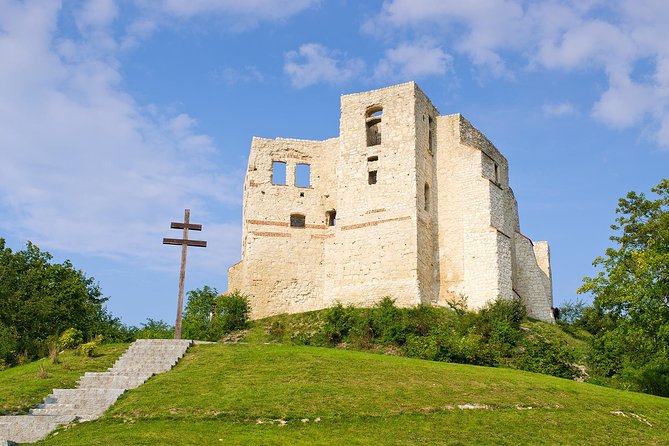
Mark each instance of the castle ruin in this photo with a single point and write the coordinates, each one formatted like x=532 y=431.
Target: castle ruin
x=404 y=203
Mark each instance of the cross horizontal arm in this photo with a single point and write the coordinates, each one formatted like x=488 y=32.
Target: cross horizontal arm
x=180 y=241
x=191 y=226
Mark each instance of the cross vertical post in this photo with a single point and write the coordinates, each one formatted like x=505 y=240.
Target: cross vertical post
x=185 y=243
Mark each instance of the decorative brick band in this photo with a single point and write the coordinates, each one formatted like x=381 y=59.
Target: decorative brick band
x=322 y=235
x=374 y=223
x=309 y=226
x=270 y=234
x=284 y=224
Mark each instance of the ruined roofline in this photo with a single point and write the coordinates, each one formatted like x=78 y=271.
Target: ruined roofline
x=473 y=137
x=397 y=86
x=260 y=138
x=389 y=87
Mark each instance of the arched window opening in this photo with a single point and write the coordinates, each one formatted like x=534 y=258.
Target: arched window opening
x=302 y=175
x=427 y=197
x=331 y=218
x=297 y=220
x=278 y=172
x=373 y=123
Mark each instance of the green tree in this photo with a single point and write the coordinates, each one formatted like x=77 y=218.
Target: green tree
x=40 y=299
x=209 y=316
x=631 y=292
x=199 y=312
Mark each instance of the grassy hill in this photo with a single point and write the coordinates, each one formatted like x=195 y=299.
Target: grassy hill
x=281 y=394
x=24 y=386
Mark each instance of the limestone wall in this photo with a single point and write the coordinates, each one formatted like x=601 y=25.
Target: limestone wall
x=424 y=214
x=374 y=251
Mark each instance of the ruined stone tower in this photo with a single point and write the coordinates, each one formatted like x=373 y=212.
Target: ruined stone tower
x=404 y=203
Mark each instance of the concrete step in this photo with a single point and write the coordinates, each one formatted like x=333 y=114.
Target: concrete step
x=97 y=391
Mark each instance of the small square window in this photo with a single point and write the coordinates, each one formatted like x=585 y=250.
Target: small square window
x=297 y=220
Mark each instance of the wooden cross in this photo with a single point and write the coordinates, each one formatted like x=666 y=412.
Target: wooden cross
x=185 y=243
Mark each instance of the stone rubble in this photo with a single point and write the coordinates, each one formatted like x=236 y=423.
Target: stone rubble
x=96 y=392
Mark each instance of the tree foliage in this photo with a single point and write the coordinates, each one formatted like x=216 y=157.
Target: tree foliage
x=39 y=300
x=630 y=316
x=209 y=316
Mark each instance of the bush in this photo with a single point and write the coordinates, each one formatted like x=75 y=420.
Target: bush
x=152 y=329
x=199 y=312
x=388 y=322
x=231 y=313
x=550 y=358
x=650 y=378
x=422 y=347
x=87 y=349
x=338 y=322
x=70 y=338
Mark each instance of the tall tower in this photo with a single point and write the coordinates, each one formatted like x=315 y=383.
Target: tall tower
x=384 y=164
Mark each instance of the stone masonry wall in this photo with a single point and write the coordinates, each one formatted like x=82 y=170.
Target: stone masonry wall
x=424 y=214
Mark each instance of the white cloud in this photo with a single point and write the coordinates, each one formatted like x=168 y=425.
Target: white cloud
x=410 y=61
x=259 y=9
x=314 y=63
x=625 y=41
x=85 y=168
x=237 y=15
x=559 y=109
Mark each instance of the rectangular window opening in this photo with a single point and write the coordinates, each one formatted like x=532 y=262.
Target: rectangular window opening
x=331 y=218
x=297 y=221
x=371 y=177
x=278 y=172
x=372 y=158
x=496 y=173
x=302 y=175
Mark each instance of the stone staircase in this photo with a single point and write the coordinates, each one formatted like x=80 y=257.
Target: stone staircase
x=96 y=392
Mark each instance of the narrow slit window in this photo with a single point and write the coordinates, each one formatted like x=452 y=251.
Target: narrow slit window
x=371 y=177
x=427 y=197
x=297 y=221
x=430 y=135
x=331 y=218
x=496 y=173
x=278 y=172
x=303 y=175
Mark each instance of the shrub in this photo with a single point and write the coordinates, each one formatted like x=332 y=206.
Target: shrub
x=54 y=353
x=70 y=338
x=650 y=378
x=231 y=313
x=152 y=329
x=87 y=349
x=276 y=331
x=422 y=347
x=550 y=358
x=338 y=321
x=388 y=322
x=511 y=311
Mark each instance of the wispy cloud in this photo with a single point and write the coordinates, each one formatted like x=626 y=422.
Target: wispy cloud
x=559 y=109
x=313 y=63
x=413 y=60
x=85 y=168
x=626 y=41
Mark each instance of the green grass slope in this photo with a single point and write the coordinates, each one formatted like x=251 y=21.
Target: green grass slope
x=277 y=394
x=22 y=387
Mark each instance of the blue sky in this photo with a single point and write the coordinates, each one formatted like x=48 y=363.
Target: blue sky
x=117 y=115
